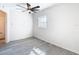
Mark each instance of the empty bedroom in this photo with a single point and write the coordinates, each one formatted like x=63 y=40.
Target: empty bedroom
x=39 y=28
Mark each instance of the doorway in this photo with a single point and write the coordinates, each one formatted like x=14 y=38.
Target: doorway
x=2 y=27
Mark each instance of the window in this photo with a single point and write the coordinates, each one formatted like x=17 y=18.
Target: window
x=42 y=22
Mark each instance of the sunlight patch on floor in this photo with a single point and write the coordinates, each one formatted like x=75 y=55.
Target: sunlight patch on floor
x=37 y=51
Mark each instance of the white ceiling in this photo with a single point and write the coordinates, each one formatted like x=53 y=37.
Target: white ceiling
x=42 y=5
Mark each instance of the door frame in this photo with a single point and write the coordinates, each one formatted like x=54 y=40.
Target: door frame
x=5 y=25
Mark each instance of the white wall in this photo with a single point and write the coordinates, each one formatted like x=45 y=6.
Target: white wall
x=19 y=24
x=63 y=26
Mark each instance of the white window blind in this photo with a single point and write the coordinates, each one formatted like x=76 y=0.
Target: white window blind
x=42 y=22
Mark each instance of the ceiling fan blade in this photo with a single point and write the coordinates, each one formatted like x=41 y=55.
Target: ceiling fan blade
x=21 y=6
x=28 y=5
x=34 y=10
x=35 y=7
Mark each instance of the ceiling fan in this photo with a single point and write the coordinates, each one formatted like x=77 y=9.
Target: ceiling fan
x=29 y=8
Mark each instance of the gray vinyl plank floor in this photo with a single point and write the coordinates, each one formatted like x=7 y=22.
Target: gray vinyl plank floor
x=32 y=46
